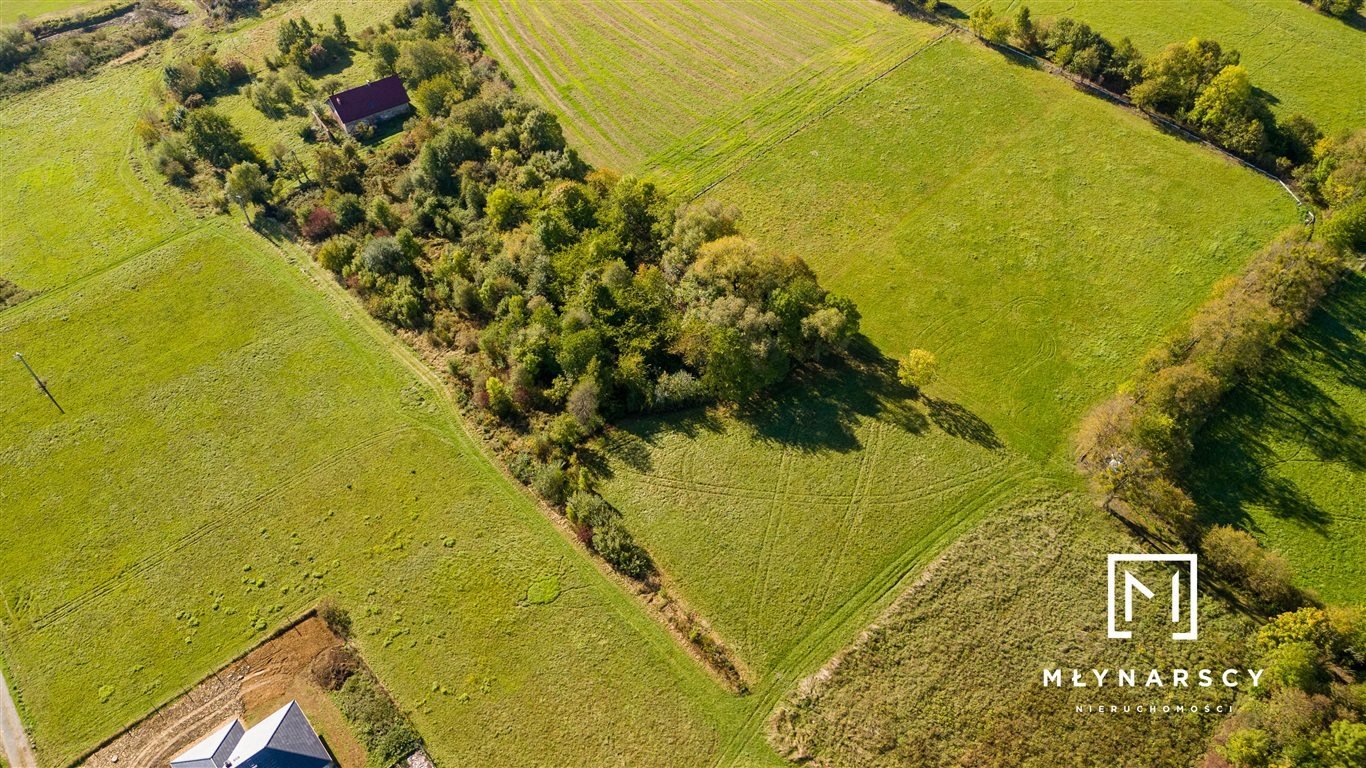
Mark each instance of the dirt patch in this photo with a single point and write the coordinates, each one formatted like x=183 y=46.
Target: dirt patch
x=131 y=56
x=250 y=688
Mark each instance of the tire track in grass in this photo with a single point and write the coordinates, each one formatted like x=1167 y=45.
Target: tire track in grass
x=762 y=150
x=587 y=106
x=509 y=52
x=922 y=492
x=723 y=139
x=764 y=563
x=813 y=648
x=853 y=517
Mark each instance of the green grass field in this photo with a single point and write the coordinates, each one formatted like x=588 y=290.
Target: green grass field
x=791 y=527
x=1287 y=457
x=234 y=450
x=688 y=77
x=66 y=148
x=1307 y=61
x=11 y=10
x=240 y=441
x=1038 y=254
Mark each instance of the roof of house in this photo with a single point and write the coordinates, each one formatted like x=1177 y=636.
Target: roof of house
x=283 y=740
x=369 y=99
x=211 y=750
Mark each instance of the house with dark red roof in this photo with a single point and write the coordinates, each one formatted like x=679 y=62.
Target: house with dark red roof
x=370 y=103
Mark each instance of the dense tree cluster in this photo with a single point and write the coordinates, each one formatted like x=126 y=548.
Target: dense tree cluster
x=194 y=79
x=1197 y=83
x=1308 y=710
x=27 y=62
x=309 y=48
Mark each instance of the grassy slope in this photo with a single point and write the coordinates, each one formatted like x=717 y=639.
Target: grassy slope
x=952 y=674
x=1309 y=62
x=223 y=412
x=1287 y=456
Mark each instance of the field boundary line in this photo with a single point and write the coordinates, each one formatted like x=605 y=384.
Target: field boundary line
x=50 y=294
x=451 y=426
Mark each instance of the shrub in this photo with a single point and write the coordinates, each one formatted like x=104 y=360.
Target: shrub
x=318 y=223
x=377 y=722
x=1248 y=748
x=383 y=256
x=336 y=618
x=499 y=401
x=614 y=543
x=549 y=481
x=1293 y=665
x=213 y=137
x=917 y=369
x=336 y=254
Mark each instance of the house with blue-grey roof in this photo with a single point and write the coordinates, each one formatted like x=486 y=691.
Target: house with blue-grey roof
x=284 y=740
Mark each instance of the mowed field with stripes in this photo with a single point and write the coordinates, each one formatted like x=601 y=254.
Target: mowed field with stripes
x=1036 y=239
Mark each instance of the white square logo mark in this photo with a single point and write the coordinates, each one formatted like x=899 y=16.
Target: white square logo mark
x=1130 y=584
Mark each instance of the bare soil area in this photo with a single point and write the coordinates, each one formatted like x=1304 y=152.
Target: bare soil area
x=250 y=688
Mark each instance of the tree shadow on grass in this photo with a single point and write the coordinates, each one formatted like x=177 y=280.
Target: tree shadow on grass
x=817 y=409
x=1285 y=415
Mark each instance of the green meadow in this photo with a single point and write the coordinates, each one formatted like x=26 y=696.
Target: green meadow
x=1308 y=62
x=74 y=203
x=790 y=524
x=239 y=442
x=1286 y=458
x=1038 y=255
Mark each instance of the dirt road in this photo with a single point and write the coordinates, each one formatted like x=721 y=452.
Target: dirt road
x=18 y=752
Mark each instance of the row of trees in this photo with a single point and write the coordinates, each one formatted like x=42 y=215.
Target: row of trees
x=1135 y=446
x=1197 y=83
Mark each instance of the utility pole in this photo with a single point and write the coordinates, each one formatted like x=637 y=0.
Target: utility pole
x=41 y=384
